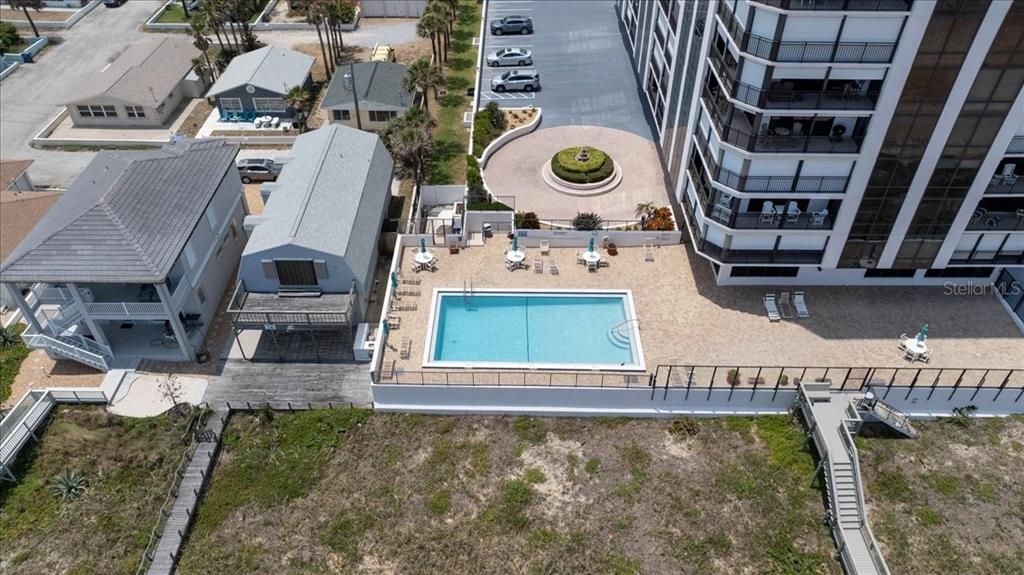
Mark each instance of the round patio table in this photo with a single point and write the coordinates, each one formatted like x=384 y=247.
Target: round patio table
x=516 y=256
x=591 y=257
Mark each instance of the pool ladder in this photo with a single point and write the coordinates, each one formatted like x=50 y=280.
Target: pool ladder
x=467 y=293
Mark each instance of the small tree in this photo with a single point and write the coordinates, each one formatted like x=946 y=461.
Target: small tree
x=587 y=221
x=36 y=5
x=299 y=98
x=9 y=37
x=170 y=389
x=496 y=118
x=420 y=76
x=527 y=221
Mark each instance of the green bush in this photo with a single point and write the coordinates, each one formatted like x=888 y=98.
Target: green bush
x=495 y=116
x=527 y=221
x=9 y=37
x=347 y=13
x=488 y=206
x=474 y=181
x=587 y=221
x=488 y=124
x=599 y=166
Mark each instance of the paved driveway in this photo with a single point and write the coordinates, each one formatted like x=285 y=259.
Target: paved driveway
x=585 y=71
x=34 y=93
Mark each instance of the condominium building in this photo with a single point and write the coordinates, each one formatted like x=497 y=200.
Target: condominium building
x=840 y=141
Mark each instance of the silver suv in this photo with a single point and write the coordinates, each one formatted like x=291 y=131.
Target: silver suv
x=512 y=25
x=525 y=80
x=258 y=170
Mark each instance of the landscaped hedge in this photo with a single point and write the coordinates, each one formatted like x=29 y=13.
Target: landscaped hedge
x=488 y=124
x=598 y=167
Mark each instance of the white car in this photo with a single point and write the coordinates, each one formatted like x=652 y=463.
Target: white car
x=510 y=57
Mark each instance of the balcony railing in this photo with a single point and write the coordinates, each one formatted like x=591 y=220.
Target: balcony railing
x=798 y=51
x=1001 y=187
x=124 y=309
x=779 y=144
x=997 y=221
x=842 y=5
x=1016 y=145
x=769 y=184
x=988 y=257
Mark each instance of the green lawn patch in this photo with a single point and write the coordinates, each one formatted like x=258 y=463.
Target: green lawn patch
x=174 y=14
x=10 y=364
x=127 y=465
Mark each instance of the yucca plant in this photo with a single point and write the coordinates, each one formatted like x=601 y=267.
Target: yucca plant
x=69 y=485
x=8 y=337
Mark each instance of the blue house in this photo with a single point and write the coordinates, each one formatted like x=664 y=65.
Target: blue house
x=254 y=83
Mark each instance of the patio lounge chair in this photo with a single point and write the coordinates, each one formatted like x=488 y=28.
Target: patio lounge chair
x=394 y=321
x=545 y=248
x=538 y=265
x=648 y=250
x=1008 y=176
x=771 y=308
x=406 y=348
x=552 y=267
x=785 y=307
x=801 y=305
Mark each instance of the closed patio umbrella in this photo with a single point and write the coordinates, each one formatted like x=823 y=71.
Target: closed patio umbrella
x=515 y=243
x=591 y=244
x=387 y=327
x=923 y=334
x=394 y=279
x=423 y=245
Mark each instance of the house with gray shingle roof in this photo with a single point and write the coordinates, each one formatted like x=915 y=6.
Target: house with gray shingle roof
x=131 y=261
x=311 y=255
x=255 y=83
x=378 y=88
x=143 y=87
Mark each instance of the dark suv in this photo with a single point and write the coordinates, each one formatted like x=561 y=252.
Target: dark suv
x=512 y=25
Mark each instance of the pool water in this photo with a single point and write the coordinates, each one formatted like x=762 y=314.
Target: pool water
x=532 y=329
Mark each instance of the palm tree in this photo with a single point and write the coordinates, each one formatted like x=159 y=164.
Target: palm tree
x=211 y=12
x=442 y=12
x=644 y=210
x=420 y=76
x=299 y=99
x=428 y=27
x=314 y=16
x=410 y=139
x=36 y=5
x=197 y=27
x=184 y=8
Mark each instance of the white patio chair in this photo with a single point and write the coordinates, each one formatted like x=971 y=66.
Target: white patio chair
x=591 y=266
x=538 y=265
x=1008 y=175
x=510 y=265
x=771 y=308
x=767 y=213
x=552 y=267
x=818 y=218
x=545 y=248
x=801 y=305
x=792 y=213
x=785 y=306
x=579 y=258
x=903 y=341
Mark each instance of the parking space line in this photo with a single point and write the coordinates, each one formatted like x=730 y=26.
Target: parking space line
x=488 y=95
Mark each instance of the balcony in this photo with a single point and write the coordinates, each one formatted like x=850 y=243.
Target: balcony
x=797 y=51
x=841 y=5
x=1006 y=181
x=988 y=257
x=728 y=256
x=1016 y=145
x=782 y=135
x=769 y=184
x=986 y=220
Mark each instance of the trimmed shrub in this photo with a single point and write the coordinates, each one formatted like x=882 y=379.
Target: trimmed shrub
x=347 y=13
x=474 y=181
x=587 y=221
x=598 y=167
x=9 y=37
x=488 y=124
x=660 y=221
x=495 y=116
x=527 y=221
x=488 y=206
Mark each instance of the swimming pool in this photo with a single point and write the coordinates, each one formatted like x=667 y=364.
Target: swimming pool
x=533 y=329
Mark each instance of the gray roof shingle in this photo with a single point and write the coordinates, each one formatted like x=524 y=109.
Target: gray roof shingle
x=144 y=74
x=375 y=82
x=271 y=68
x=125 y=219
x=329 y=198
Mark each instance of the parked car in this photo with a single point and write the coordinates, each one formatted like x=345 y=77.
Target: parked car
x=512 y=25
x=258 y=170
x=112 y=3
x=525 y=80
x=382 y=53
x=510 y=57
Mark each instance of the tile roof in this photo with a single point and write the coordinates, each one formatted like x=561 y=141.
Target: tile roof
x=144 y=74
x=126 y=218
x=271 y=68
x=376 y=82
x=19 y=212
x=11 y=170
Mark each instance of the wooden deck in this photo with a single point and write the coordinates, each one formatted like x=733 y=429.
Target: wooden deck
x=280 y=384
x=271 y=302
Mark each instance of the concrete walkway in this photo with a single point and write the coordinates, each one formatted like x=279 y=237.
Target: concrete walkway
x=189 y=493
x=515 y=170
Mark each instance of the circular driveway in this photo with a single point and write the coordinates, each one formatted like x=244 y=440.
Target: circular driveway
x=515 y=170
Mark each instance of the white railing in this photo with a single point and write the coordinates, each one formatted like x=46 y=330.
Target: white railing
x=865 y=528
x=64 y=319
x=125 y=309
x=78 y=348
x=48 y=293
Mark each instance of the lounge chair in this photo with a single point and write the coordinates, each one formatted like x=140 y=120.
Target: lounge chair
x=552 y=267
x=801 y=305
x=771 y=308
x=394 y=321
x=785 y=307
x=545 y=248
x=404 y=351
x=648 y=250
x=538 y=265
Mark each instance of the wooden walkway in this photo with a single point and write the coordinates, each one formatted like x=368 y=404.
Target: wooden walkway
x=189 y=493
x=279 y=384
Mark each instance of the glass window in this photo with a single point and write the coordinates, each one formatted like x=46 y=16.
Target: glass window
x=382 y=116
x=135 y=111
x=269 y=105
x=230 y=104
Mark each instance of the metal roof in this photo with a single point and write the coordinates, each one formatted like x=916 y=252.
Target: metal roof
x=271 y=68
x=126 y=218
x=330 y=197
x=376 y=82
x=144 y=74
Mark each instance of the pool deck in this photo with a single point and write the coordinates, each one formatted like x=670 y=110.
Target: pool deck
x=686 y=319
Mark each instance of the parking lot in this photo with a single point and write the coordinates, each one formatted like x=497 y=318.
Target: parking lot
x=585 y=72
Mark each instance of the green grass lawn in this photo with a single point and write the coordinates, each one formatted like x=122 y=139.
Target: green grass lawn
x=349 y=491
x=128 y=465
x=175 y=14
x=451 y=137
x=950 y=501
x=10 y=363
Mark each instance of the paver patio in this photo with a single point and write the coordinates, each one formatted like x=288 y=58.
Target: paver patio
x=686 y=319
x=515 y=170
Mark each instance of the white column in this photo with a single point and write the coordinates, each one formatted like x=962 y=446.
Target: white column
x=94 y=327
x=175 y=321
x=26 y=310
